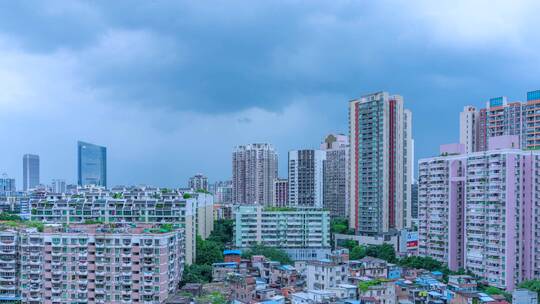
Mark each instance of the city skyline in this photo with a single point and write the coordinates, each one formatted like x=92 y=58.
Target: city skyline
x=320 y=152
x=171 y=87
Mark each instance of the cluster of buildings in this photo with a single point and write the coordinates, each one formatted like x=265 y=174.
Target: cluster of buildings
x=473 y=207
x=477 y=205
x=90 y=263
x=193 y=211
x=97 y=245
x=91 y=170
x=337 y=279
x=317 y=178
x=366 y=176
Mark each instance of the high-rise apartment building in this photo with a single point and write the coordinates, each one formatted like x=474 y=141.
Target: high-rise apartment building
x=91 y=264
x=381 y=155
x=281 y=192
x=336 y=175
x=30 y=171
x=7 y=184
x=199 y=221
x=192 y=211
x=58 y=186
x=306 y=178
x=255 y=166
x=414 y=201
x=198 y=182
x=477 y=211
x=468 y=128
x=501 y=117
x=92 y=164
x=303 y=233
x=223 y=192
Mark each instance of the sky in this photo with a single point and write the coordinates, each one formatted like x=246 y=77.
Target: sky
x=170 y=87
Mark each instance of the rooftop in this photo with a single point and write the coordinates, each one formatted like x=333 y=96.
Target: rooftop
x=232 y=252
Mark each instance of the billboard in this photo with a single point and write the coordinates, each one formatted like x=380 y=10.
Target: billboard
x=412 y=239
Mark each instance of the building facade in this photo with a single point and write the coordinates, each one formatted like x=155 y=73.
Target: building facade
x=336 y=175
x=199 y=221
x=381 y=155
x=414 y=201
x=524 y=296
x=30 y=171
x=92 y=164
x=292 y=230
x=223 y=192
x=194 y=212
x=58 y=186
x=501 y=117
x=91 y=264
x=325 y=274
x=255 y=167
x=468 y=128
x=477 y=211
x=7 y=184
x=198 y=182
x=306 y=178
x=280 y=192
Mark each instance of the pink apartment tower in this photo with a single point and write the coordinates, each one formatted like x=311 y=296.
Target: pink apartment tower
x=476 y=210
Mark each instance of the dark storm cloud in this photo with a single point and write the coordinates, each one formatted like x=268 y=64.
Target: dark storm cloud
x=238 y=67
x=230 y=55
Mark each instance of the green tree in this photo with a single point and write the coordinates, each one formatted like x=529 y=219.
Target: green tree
x=197 y=274
x=490 y=290
x=223 y=231
x=5 y=216
x=349 y=244
x=339 y=225
x=427 y=263
x=384 y=251
x=39 y=225
x=271 y=253
x=365 y=285
x=208 y=252
x=358 y=252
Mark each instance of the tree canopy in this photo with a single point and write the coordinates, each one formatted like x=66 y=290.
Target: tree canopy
x=426 y=263
x=208 y=252
x=384 y=251
x=197 y=274
x=5 y=216
x=340 y=226
x=271 y=253
x=223 y=231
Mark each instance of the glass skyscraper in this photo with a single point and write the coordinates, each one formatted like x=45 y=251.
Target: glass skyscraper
x=30 y=171
x=92 y=164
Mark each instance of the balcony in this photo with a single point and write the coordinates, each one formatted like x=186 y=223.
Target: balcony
x=147 y=291
x=7 y=279
x=8 y=287
x=35 y=271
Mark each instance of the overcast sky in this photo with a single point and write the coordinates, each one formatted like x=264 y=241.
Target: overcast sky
x=171 y=86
